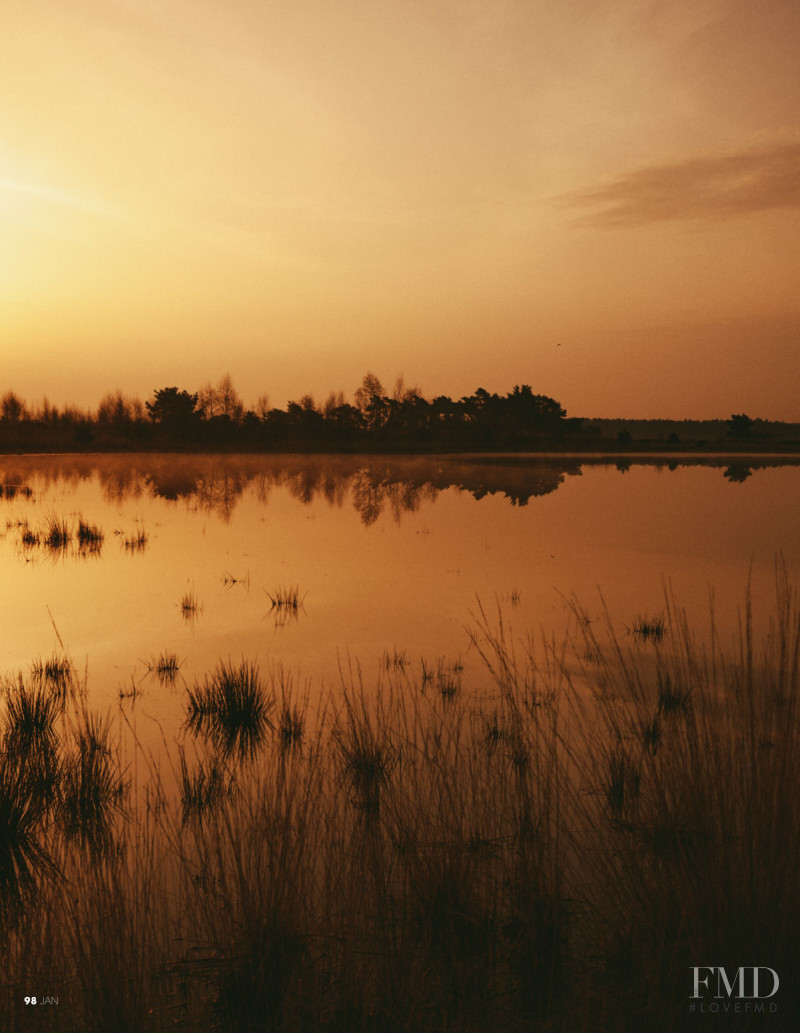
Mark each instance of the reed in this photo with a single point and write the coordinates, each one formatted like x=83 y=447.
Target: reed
x=93 y=787
x=204 y=788
x=25 y=861
x=397 y=659
x=554 y=853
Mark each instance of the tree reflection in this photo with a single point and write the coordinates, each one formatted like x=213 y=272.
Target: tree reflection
x=738 y=472
x=372 y=485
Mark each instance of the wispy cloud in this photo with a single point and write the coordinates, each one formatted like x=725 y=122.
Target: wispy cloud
x=53 y=196
x=705 y=188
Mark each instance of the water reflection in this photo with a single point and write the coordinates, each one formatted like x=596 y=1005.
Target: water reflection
x=372 y=485
x=737 y=473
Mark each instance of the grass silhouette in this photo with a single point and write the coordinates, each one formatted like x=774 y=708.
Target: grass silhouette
x=552 y=853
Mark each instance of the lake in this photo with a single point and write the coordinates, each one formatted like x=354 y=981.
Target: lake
x=390 y=557
x=430 y=841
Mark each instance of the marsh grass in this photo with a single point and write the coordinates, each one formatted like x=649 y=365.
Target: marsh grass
x=30 y=718
x=444 y=676
x=56 y=534
x=190 y=606
x=56 y=673
x=553 y=853
x=286 y=598
x=25 y=860
x=136 y=540
x=396 y=660
x=231 y=708
x=131 y=691
x=698 y=764
x=165 y=667
x=650 y=629
x=28 y=537
x=291 y=727
x=93 y=786
x=229 y=580
x=204 y=788
x=286 y=605
x=49 y=793
x=13 y=491
x=90 y=537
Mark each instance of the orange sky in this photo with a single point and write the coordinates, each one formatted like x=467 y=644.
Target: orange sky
x=296 y=191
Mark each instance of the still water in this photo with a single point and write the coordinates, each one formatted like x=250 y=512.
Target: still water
x=390 y=557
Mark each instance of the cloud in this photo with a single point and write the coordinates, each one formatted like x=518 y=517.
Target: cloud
x=14 y=189
x=705 y=188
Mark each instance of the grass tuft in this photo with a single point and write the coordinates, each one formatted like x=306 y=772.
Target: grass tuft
x=92 y=785
x=290 y=727
x=165 y=667
x=56 y=534
x=204 y=789
x=231 y=708
x=650 y=629
x=56 y=673
x=90 y=537
x=286 y=598
x=190 y=605
x=136 y=541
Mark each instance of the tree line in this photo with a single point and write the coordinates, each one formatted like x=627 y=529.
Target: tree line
x=216 y=417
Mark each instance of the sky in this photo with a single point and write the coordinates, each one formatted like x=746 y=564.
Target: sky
x=598 y=198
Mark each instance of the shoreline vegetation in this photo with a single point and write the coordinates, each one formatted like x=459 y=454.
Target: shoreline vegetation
x=215 y=419
x=553 y=852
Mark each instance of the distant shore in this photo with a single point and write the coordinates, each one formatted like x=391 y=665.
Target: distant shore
x=644 y=452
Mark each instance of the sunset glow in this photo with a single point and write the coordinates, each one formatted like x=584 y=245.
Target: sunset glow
x=295 y=193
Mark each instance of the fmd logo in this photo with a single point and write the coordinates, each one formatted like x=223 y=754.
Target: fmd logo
x=748 y=989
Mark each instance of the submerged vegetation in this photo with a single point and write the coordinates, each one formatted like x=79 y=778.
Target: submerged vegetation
x=552 y=853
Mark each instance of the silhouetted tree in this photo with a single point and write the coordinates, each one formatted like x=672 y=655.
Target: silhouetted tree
x=333 y=401
x=371 y=390
x=172 y=408
x=118 y=410
x=228 y=400
x=739 y=426
x=12 y=408
x=220 y=400
x=737 y=473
